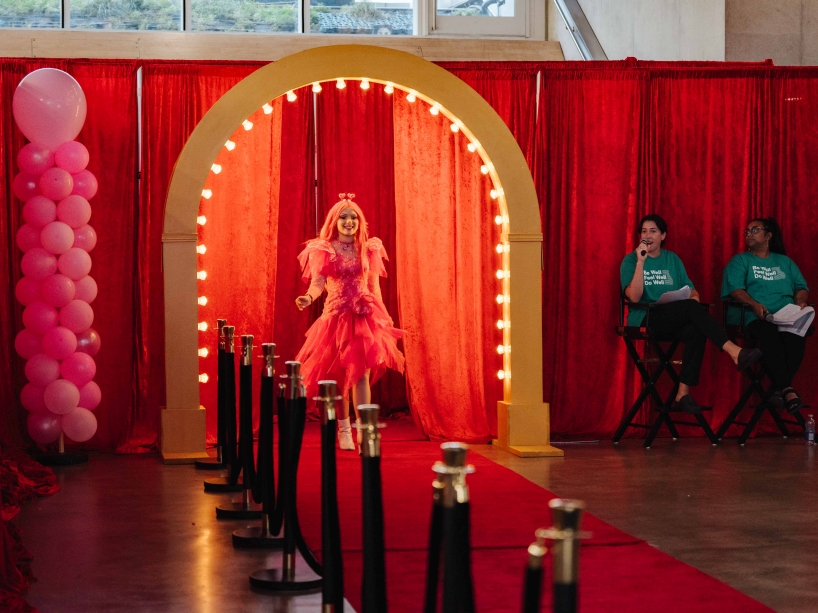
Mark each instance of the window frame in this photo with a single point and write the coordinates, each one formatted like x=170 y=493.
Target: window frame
x=529 y=21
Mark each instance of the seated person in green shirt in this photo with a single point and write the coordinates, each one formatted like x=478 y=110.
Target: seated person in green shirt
x=764 y=278
x=649 y=272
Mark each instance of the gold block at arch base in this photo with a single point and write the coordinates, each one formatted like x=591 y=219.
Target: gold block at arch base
x=524 y=421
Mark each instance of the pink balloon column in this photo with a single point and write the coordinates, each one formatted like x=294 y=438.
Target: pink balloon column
x=57 y=340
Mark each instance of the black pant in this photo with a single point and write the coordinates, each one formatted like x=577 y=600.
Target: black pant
x=782 y=351
x=689 y=322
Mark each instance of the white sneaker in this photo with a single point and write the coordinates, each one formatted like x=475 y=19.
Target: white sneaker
x=345 y=435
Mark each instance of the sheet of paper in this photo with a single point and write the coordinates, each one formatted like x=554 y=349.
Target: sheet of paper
x=792 y=318
x=683 y=293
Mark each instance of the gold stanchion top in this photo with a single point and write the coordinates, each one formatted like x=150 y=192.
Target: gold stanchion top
x=228 y=338
x=221 y=323
x=536 y=552
x=566 y=513
x=327 y=397
x=452 y=473
x=246 y=349
x=294 y=378
x=268 y=354
x=454 y=454
x=371 y=445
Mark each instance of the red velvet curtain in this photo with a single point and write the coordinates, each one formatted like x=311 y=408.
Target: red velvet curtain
x=355 y=154
x=175 y=96
x=241 y=218
x=445 y=261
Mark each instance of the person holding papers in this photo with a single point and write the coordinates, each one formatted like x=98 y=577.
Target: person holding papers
x=769 y=282
x=652 y=275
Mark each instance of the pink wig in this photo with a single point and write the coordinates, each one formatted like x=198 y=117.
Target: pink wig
x=329 y=231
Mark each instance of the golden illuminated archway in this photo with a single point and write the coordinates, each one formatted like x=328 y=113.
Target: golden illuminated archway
x=524 y=427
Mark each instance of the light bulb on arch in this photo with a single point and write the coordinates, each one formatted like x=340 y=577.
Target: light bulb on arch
x=291 y=97
x=202 y=326
x=202 y=300
x=230 y=145
x=411 y=96
x=316 y=88
x=216 y=168
x=201 y=249
x=201 y=220
x=340 y=84
x=203 y=352
x=364 y=84
x=203 y=378
x=248 y=125
x=206 y=194
x=390 y=88
x=201 y=275
x=266 y=108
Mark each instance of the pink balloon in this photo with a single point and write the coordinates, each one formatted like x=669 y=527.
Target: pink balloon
x=49 y=107
x=79 y=425
x=59 y=343
x=35 y=158
x=31 y=397
x=42 y=370
x=57 y=290
x=39 y=211
x=79 y=368
x=57 y=237
x=27 y=291
x=25 y=186
x=61 y=396
x=85 y=184
x=44 y=427
x=84 y=238
x=56 y=183
x=74 y=210
x=74 y=263
x=28 y=237
x=71 y=156
x=27 y=344
x=38 y=263
x=90 y=396
x=77 y=316
x=86 y=289
x=40 y=317
x=88 y=341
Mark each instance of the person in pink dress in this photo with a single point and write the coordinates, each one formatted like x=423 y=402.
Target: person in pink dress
x=354 y=341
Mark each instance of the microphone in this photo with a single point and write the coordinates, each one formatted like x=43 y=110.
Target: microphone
x=644 y=241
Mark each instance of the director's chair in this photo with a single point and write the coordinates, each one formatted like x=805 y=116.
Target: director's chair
x=663 y=363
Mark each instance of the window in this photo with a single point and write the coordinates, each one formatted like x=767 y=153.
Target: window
x=126 y=14
x=244 y=15
x=481 y=17
x=475 y=18
x=30 y=13
x=378 y=17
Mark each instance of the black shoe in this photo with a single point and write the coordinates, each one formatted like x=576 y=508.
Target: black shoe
x=687 y=404
x=794 y=404
x=747 y=357
x=774 y=400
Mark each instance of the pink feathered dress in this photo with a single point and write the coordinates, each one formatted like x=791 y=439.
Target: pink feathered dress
x=355 y=332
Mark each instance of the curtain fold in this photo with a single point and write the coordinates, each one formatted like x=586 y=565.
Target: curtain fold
x=355 y=154
x=175 y=96
x=445 y=258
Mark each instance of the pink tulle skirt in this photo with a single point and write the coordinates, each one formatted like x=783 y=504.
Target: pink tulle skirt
x=342 y=346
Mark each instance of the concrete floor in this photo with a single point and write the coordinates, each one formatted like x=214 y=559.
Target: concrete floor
x=743 y=515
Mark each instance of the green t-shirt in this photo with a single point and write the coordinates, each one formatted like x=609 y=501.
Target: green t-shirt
x=664 y=273
x=772 y=281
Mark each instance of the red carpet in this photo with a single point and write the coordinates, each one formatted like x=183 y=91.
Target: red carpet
x=617 y=571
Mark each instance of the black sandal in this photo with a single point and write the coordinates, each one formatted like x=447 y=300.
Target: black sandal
x=793 y=405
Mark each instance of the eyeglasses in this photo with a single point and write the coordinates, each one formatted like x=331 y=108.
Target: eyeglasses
x=753 y=230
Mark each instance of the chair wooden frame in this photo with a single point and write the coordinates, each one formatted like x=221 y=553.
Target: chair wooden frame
x=757 y=374
x=664 y=357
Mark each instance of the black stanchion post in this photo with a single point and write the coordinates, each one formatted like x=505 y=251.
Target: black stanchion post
x=227 y=402
x=277 y=519
x=565 y=534
x=532 y=587
x=246 y=509
x=435 y=544
x=373 y=589
x=458 y=590
x=217 y=463
x=291 y=578
x=332 y=587
x=262 y=537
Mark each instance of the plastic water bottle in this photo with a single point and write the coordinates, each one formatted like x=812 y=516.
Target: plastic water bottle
x=809 y=430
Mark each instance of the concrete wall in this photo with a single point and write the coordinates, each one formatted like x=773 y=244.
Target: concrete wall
x=649 y=29
x=785 y=31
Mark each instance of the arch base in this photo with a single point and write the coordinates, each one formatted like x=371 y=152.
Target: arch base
x=525 y=430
